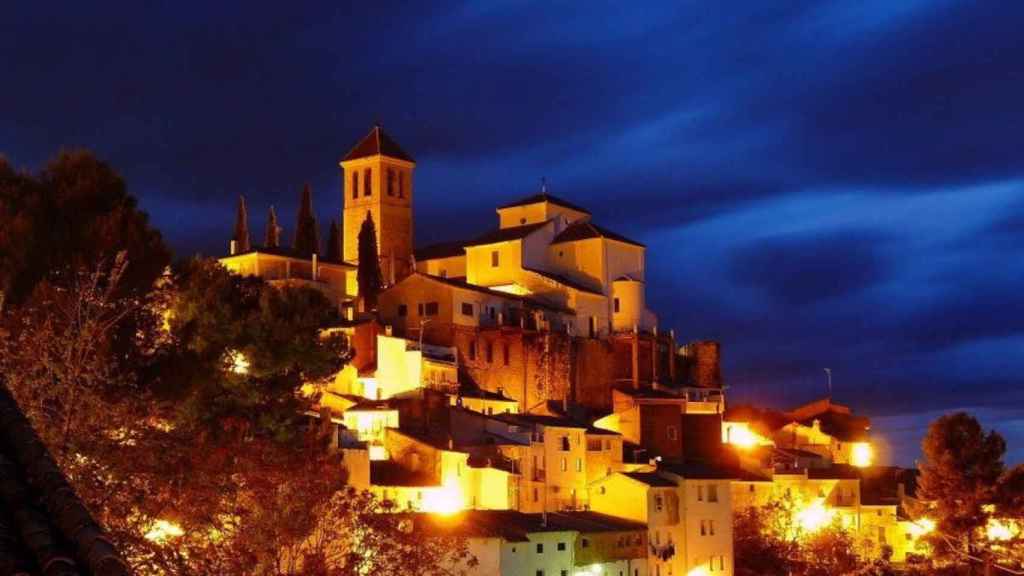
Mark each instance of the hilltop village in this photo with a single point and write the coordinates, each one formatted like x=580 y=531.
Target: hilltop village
x=515 y=389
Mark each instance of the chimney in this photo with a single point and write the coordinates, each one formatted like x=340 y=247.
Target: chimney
x=233 y=247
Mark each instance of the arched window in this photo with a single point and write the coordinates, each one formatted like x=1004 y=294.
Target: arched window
x=367 y=176
x=391 y=182
x=355 y=185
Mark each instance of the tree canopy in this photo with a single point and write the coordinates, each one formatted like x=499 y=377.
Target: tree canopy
x=72 y=214
x=368 y=274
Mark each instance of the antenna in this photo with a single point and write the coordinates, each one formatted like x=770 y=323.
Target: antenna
x=543 y=185
x=828 y=371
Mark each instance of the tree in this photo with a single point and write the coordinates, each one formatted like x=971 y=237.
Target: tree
x=966 y=486
x=368 y=274
x=307 y=241
x=272 y=239
x=74 y=213
x=334 y=243
x=241 y=235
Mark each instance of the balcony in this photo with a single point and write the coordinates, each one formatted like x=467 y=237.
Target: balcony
x=538 y=475
x=664 y=552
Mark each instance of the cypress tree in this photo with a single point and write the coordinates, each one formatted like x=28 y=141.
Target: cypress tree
x=368 y=273
x=273 y=236
x=241 y=236
x=334 y=243
x=306 y=244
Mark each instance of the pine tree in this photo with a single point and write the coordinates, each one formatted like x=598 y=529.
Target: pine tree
x=241 y=236
x=334 y=243
x=306 y=244
x=368 y=273
x=273 y=236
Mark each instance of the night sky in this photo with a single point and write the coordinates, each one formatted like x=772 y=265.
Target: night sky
x=820 y=185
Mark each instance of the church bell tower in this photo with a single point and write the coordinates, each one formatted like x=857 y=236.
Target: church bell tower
x=377 y=176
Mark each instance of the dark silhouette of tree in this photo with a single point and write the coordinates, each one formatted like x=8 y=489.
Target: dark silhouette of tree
x=74 y=213
x=966 y=485
x=334 y=243
x=368 y=274
x=272 y=239
x=241 y=236
x=306 y=241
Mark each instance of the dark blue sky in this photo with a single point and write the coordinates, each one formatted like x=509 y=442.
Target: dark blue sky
x=820 y=184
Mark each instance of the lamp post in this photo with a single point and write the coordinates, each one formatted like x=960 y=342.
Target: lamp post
x=423 y=322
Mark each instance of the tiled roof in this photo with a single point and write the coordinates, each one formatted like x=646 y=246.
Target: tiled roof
x=834 y=472
x=544 y=197
x=44 y=527
x=513 y=526
x=699 y=470
x=469 y=392
x=842 y=427
x=650 y=478
x=585 y=229
x=565 y=281
x=506 y=234
x=440 y=250
x=461 y=283
x=539 y=419
x=287 y=253
x=377 y=142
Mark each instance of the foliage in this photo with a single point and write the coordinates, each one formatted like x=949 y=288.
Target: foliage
x=307 y=239
x=368 y=274
x=768 y=540
x=334 y=243
x=272 y=238
x=187 y=440
x=241 y=235
x=74 y=213
x=967 y=487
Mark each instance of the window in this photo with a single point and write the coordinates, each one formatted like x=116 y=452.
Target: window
x=711 y=527
x=430 y=309
x=494 y=259
x=539 y=572
x=540 y=548
x=564 y=465
x=536 y=495
x=391 y=182
x=401 y=184
x=367 y=175
x=467 y=309
x=700 y=493
x=579 y=464
x=671 y=432
x=658 y=503
x=472 y=350
x=565 y=573
x=751 y=489
x=489 y=351
x=492 y=312
x=561 y=546
x=721 y=563
x=585 y=543
x=565 y=443
x=444 y=273
x=712 y=493
x=593 y=327
x=601 y=490
x=355 y=185
x=419 y=309
x=703 y=527
x=505 y=354
x=403 y=310
x=615 y=305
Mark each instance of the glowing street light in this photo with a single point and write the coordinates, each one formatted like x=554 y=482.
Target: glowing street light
x=862 y=455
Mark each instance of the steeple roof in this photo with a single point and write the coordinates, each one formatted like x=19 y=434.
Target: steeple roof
x=545 y=197
x=377 y=142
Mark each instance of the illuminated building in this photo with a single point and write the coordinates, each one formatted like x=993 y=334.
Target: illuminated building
x=572 y=543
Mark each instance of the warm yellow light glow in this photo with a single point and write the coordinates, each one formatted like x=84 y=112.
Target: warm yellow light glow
x=162 y=531
x=1001 y=530
x=378 y=452
x=446 y=500
x=739 y=434
x=698 y=571
x=592 y=570
x=515 y=289
x=862 y=455
x=239 y=363
x=815 y=516
x=921 y=527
